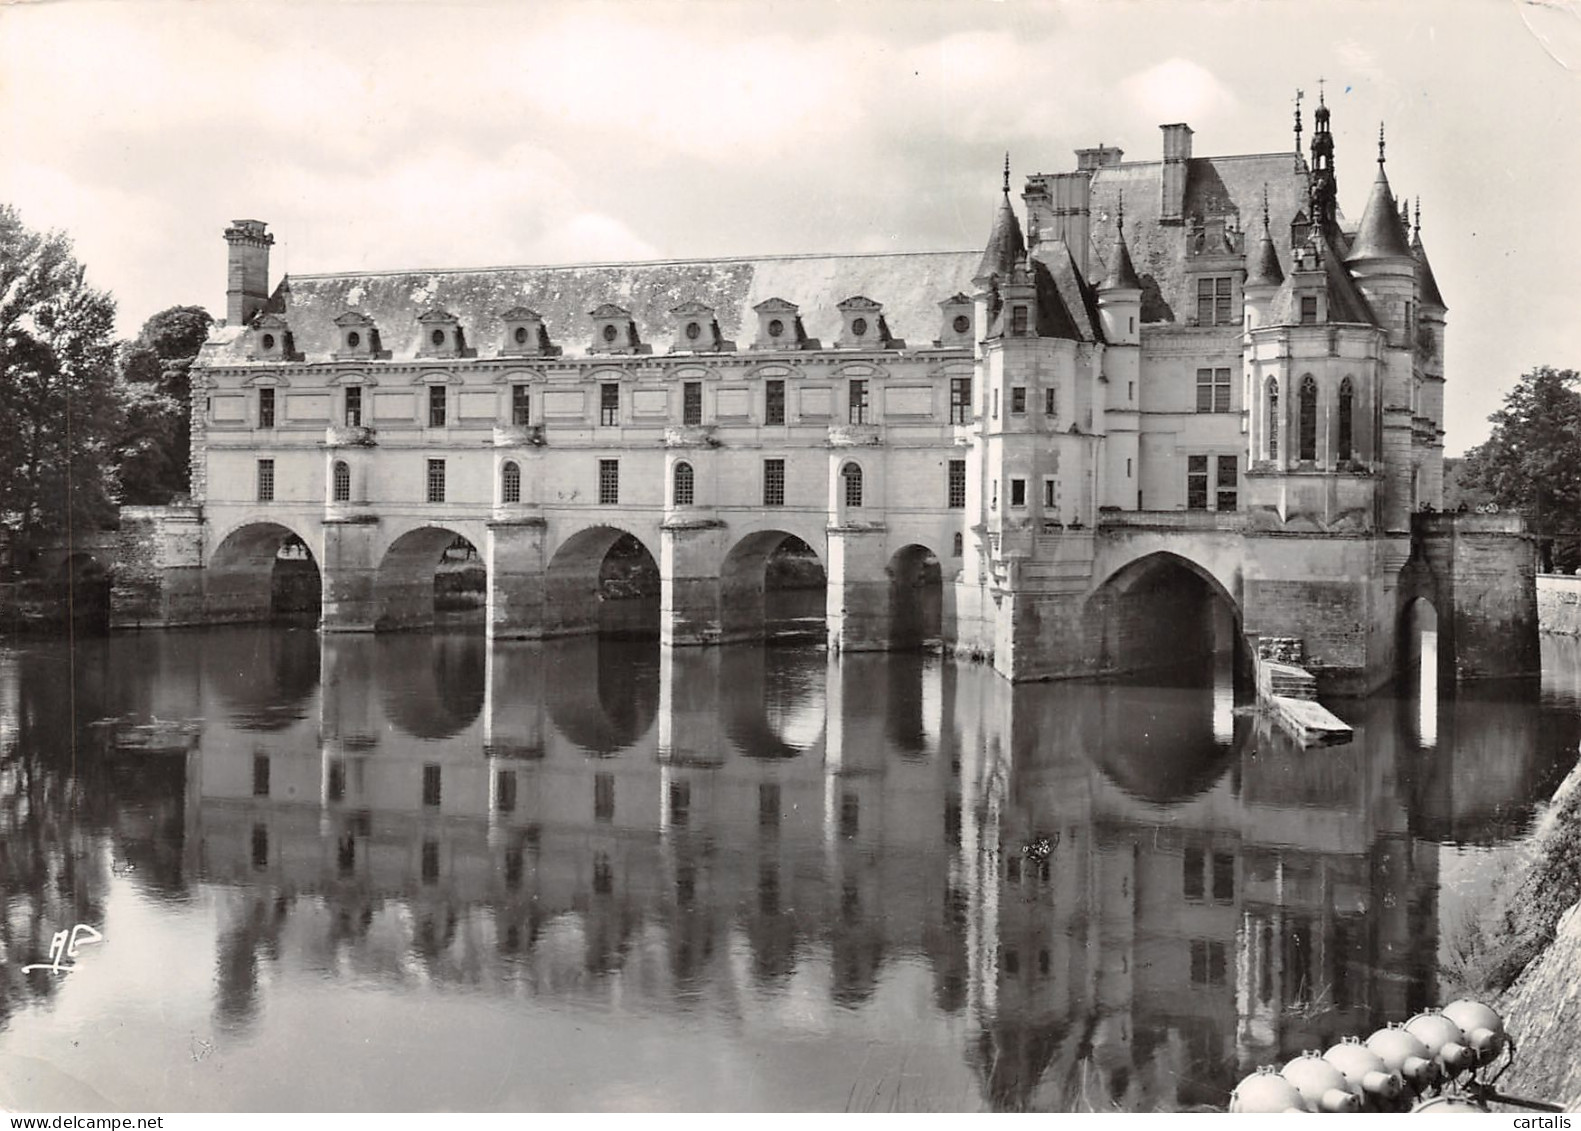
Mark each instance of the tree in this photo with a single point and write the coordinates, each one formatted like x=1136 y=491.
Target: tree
x=59 y=395
x=1531 y=462
x=156 y=371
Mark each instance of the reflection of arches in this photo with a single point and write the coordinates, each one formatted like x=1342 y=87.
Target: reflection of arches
x=264 y=677
x=764 y=562
x=602 y=580
x=772 y=700
x=1164 y=611
x=1160 y=744
x=431 y=686
x=259 y=571
x=916 y=598
x=408 y=574
x=604 y=695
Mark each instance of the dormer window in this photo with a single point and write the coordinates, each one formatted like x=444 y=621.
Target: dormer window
x=271 y=339
x=779 y=327
x=525 y=334
x=1309 y=310
x=1018 y=320
x=359 y=337
x=614 y=331
x=956 y=318
x=1213 y=301
x=864 y=326
x=441 y=335
x=696 y=330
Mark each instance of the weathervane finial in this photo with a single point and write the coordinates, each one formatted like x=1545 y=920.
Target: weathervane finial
x=1120 y=219
x=1265 y=206
x=1007 y=172
x=1380 y=143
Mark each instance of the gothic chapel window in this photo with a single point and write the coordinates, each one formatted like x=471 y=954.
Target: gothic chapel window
x=1347 y=413
x=1308 y=413
x=1273 y=418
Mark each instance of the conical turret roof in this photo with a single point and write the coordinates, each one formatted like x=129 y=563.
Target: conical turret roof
x=1005 y=242
x=1381 y=235
x=1262 y=266
x=1426 y=286
x=1122 y=272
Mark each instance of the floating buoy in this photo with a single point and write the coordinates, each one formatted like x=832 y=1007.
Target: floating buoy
x=1444 y=1041
x=1403 y=1052
x=1482 y=1025
x=1265 y=1092
x=1322 y=1086
x=1364 y=1070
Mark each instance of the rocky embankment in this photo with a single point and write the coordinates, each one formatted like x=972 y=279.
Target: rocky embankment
x=1523 y=952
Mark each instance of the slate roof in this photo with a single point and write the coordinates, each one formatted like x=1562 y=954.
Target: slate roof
x=1006 y=244
x=1215 y=186
x=1346 y=303
x=909 y=285
x=1380 y=234
x=1122 y=271
x=1426 y=286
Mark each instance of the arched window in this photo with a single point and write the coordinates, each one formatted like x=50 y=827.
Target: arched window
x=1307 y=407
x=684 y=491
x=1347 y=414
x=960 y=543
x=852 y=475
x=510 y=483
x=1273 y=418
x=342 y=479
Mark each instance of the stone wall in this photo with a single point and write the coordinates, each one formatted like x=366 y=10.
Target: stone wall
x=1559 y=604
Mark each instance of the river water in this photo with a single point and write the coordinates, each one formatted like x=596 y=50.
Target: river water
x=429 y=872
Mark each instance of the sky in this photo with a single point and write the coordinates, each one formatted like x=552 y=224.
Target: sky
x=388 y=135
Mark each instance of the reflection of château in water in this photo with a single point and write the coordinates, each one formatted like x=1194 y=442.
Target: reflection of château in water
x=599 y=824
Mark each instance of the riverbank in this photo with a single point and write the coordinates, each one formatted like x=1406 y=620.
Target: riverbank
x=1523 y=952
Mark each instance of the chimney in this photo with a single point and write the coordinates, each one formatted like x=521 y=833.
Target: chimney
x=247 y=270
x=1177 y=151
x=1099 y=157
x=1059 y=207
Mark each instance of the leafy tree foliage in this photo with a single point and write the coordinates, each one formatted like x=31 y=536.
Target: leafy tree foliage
x=1531 y=463
x=59 y=394
x=156 y=370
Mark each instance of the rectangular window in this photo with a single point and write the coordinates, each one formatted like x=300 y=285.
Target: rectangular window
x=608 y=482
x=521 y=410
x=1213 y=302
x=505 y=791
x=1191 y=876
x=431 y=784
x=436 y=406
x=1049 y=397
x=266 y=408
x=436 y=480
x=260 y=847
x=266 y=481
x=1308 y=310
x=996 y=404
x=774 y=483
x=1018 y=320
x=1051 y=496
x=858 y=400
x=1223 y=877
x=430 y=861
x=1018 y=492
x=1229 y=473
x=1213 y=390
x=691 y=402
x=1018 y=400
x=354 y=406
x=604 y=797
x=960 y=400
x=1208 y=964
x=1197 y=483
x=956 y=495
x=260 y=775
x=609 y=403
x=774 y=402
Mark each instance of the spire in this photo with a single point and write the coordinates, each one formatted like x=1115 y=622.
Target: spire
x=1122 y=272
x=1427 y=292
x=1298 y=129
x=1262 y=270
x=1005 y=241
x=1381 y=235
x=1324 y=189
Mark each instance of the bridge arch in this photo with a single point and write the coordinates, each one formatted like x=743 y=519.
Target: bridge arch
x=1163 y=610
x=772 y=582
x=260 y=571
x=602 y=580
x=406 y=582
x=916 y=598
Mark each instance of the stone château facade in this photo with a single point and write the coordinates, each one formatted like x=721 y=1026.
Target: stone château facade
x=1186 y=400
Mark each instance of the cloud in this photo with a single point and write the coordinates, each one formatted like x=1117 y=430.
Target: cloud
x=1178 y=90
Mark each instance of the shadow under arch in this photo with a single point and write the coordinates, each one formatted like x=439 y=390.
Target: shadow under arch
x=916 y=599
x=602 y=695
x=769 y=583
x=261 y=571
x=1164 y=611
x=404 y=587
x=602 y=580
x=431 y=685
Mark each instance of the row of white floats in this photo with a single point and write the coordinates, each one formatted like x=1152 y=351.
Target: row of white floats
x=1410 y=1066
